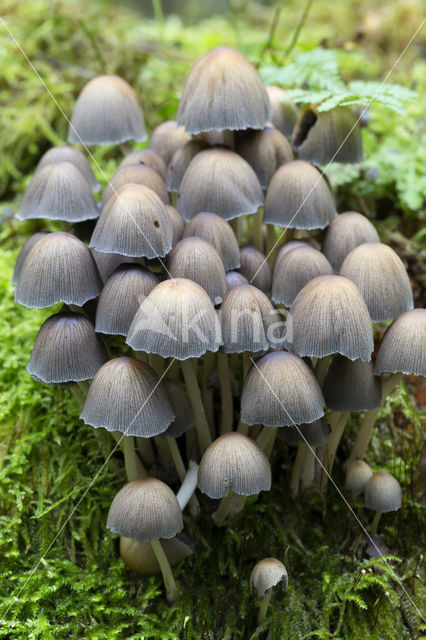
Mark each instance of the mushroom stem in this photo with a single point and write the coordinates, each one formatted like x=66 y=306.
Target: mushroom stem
x=200 y=420
x=266 y=439
x=321 y=369
x=307 y=474
x=375 y=522
x=132 y=463
x=169 y=581
x=221 y=512
x=146 y=450
x=208 y=366
x=237 y=226
x=338 y=427
x=185 y=496
x=367 y=426
x=226 y=393
x=270 y=240
x=264 y=604
x=157 y=363
x=246 y=363
x=237 y=505
x=125 y=148
x=257 y=229
x=242 y=428
x=297 y=469
x=173 y=370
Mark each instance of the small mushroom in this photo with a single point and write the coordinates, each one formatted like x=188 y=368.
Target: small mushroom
x=266 y=574
x=264 y=150
x=167 y=138
x=383 y=494
x=255 y=267
x=136 y=174
x=344 y=233
x=180 y=162
x=284 y=112
x=217 y=232
x=357 y=476
x=145 y=157
x=234 y=279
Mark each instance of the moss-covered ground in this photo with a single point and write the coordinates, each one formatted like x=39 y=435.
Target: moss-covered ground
x=60 y=573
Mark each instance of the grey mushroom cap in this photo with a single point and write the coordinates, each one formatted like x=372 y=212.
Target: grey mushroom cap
x=294 y=270
x=223 y=91
x=234 y=462
x=216 y=231
x=108 y=262
x=106 y=112
x=315 y=434
x=167 y=138
x=329 y=316
x=176 y=320
x=121 y=297
x=350 y=385
x=58 y=192
x=177 y=223
x=126 y=395
x=265 y=151
x=145 y=157
x=403 y=347
x=380 y=275
x=136 y=174
x=249 y=321
x=344 y=233
x=284 y=111
x=308 y=202
x=267 y=574
x=383 y=492
x=182 y=409
x=26 y=248
x=73 y=155
x=134 y=222
x=195 y=259
x=255 y=267
x=234 y=279
x=219 y=181
x=281 y=390
x=145 y=510
x=289 y=246
x=357 y=476
x=180 y=162
x=66 y=349
x=322 y=137
x=139 y=556
x=58 y=268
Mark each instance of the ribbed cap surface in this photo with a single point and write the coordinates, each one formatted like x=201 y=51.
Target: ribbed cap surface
x=234 y=279
x=146 y=157
x=350 y=385
x=403 y=348
x=217 y=232
x=294 y=270
x=108 y=262
x=136 y=174
x=357 y=476
x=267 y=574
x=255 y=267
x=344 y=233
x=265 y=151
x=75 y=156
x=180 y=162
x=166 y=139
x=177 y=223
x=26 y=248
x=181 y=406
x=383 y=492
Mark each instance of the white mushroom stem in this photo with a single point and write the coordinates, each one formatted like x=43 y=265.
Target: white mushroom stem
x=338 y=422
x=133 y=465
x=264 y=604
x=169 y=581
x=188 y=486
x=208 y=366
x=194 y=394
x=375 y=522
x=367 y=426
x=321 y=369
x=227 y=403
x=222 y=511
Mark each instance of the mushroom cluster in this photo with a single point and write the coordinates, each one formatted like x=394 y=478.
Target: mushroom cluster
x=226 y=336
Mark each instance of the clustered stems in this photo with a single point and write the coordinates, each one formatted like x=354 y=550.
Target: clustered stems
x=182 y=474
x=200 y=420
x=337 y=421
x=207 y=392
x=132 y=462
x=227 y=408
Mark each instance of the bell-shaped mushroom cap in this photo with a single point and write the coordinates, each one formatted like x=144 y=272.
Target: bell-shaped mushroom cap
x=217 y=232
x=281 y=390
x=357 y=476
x=403 y=348
x=195 y=259
x=26 y=248
x=284 y=112
x=267 y=574
x=234 y=279
x=380 y=275
x=344 y=233
x=136 y=174
x=140 y=557
x=180 y=162
x=383 y=492
x=58 y=192
x=144 y=510
x=328 y=136
x=145 y=157
x=134 y=222
x=69 y=154
x=255 y=267
x=108 y=262
x=126 y=396
x=330 y=316
x=289 y=246
x=176 y=320
x=308 y=201
x=223 y=91
x=350 y=385
x=265 y=151
x=177 y=224
x=234 y=462
x=59 y=268
x=249 y=321
x=66 y=349
x=106 y=112
x=166 y=139
x=294 y=270
x=121 y=297
x=220 y=181
x=181 y=406
x=315 y=434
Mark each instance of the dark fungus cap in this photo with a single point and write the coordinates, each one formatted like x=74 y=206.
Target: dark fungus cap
x=215 y=230
x=350 y=385
x=166 y=139
x=182 y=409
x=403 y=348
x=255 y=267
x=136 y=174
x=344 y=233
x=180 y=162
x=26 y=248
x=265 y=151
x=284 y=112
x=234 y=279
x=315 y=434
x=108 y=262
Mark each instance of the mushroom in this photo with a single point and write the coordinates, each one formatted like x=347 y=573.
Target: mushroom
x=106 y=112
x=255 y=267
x=136 y=174
x=25 y=249
x=146 y=510
x=76 y=157
x=284 y=112
x=180 y=162
x=264 y=150
x=357 y=476
x=216 y=231
x=145 y=157
x=383 y=494
x=266 y=574
x=350 y=385
x=234 y=278
x=344 y=233
x=108 y=262
x=166 y=139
